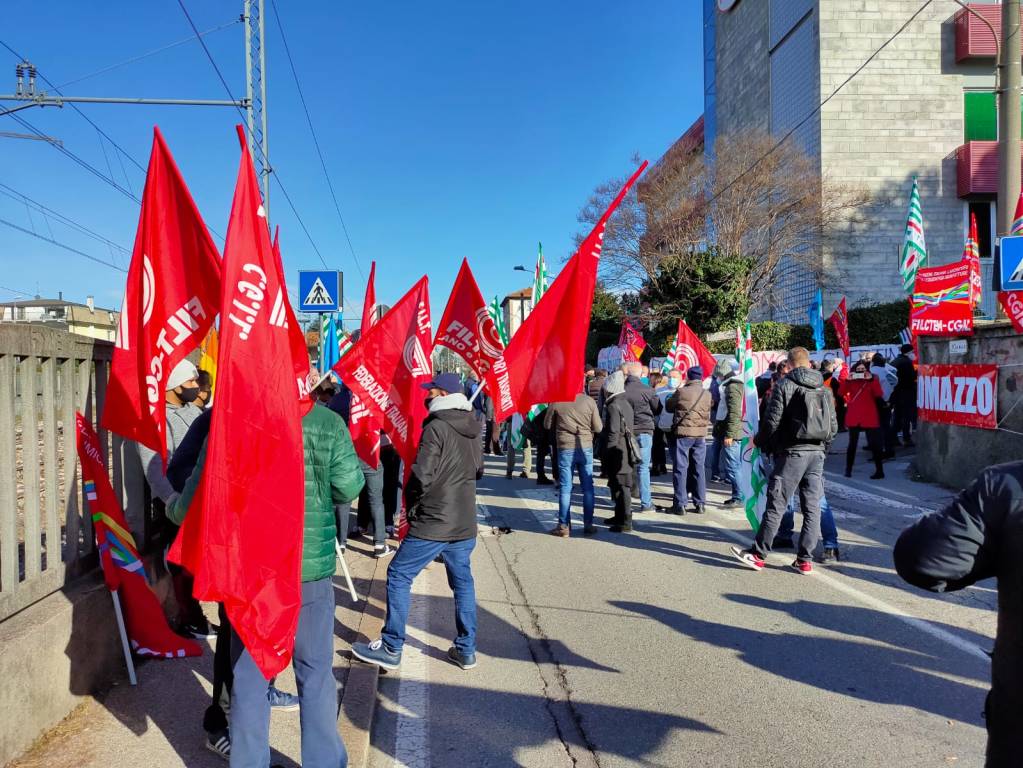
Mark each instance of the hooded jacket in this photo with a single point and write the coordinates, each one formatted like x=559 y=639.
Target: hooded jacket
x=777 y=426
x=617 y=426
x=645 y=405
x=978 y=536
x=441 y=492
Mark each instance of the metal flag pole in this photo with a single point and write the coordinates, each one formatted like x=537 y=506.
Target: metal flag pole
x=128 y=661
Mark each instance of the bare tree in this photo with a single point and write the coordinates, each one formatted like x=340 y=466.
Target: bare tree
x=760 y=200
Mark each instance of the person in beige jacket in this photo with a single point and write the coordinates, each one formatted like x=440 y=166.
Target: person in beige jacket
x=690 y=405
x=574 y=424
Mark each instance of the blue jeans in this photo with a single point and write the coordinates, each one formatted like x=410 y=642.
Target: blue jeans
x=372 y=496
x=732 y=455
x=411 y=558
x=646 y=444
x=829 y=531
x=317 y=690
x=714 y=457
x=581 y=460
x=690 y=450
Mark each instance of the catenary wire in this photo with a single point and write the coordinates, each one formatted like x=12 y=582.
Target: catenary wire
x=59 y=244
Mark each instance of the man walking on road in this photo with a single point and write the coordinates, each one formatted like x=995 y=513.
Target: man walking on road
x=797 y=428
x=441 y=503
x=728 y=423
x=690 y=405
x=645 y=407
x=574 y=425
x=618 y=459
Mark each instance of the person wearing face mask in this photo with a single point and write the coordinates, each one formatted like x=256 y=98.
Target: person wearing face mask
x=205 y=382
x=673 y=381
x=181 y=410
x=728 y=423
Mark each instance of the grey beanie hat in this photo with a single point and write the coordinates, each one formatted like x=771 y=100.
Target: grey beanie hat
x=615 y=384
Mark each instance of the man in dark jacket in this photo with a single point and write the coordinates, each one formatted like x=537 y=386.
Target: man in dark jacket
x=980 y=535
x=441 y=503
x=646 y=406
x=904 y=395
x=618 y=458
x=332 y=476
x=797 y=428
x=690 y=405
x=728 y=423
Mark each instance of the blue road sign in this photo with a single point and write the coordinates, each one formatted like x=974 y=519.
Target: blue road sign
x=1012 y=263
x=319 y=290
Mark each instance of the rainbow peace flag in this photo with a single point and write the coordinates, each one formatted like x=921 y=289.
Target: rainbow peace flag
x=959 y=294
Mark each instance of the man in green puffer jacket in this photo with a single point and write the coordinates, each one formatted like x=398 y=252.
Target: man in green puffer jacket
x=332 y=476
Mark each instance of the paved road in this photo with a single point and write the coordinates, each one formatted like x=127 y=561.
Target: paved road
x=657 y=649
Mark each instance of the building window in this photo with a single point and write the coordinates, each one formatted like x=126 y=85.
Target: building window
x=980 y=116
x=985 y=215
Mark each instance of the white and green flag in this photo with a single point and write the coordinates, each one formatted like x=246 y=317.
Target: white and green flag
x=494 y=310
x=539 y=277
x=914 y=248
x=752 y=473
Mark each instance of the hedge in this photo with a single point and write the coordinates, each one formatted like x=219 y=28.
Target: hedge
x=872 y=324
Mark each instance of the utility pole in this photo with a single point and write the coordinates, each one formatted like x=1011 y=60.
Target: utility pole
x=1009 y=117
x=255 y=92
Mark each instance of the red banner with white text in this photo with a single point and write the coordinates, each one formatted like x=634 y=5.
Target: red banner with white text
x=965 y=395
x=1012 y=303
x=941 y=301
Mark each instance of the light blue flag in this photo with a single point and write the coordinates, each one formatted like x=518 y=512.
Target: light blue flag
x=331 y=347
x=816 y=313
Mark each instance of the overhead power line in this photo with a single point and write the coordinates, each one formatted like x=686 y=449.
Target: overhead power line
x=266 y=160
x=316 y=142
x=59 y=244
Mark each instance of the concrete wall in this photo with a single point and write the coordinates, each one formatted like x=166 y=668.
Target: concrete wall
x=953 y=455
x=901 y=116
x=743 y=69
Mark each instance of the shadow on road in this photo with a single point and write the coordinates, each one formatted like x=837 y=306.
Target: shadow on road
x=893 y=673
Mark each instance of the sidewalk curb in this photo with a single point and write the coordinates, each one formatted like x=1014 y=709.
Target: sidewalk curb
x=359 y=698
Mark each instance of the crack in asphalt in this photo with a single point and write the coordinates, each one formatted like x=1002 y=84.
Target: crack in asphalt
x=544 y=655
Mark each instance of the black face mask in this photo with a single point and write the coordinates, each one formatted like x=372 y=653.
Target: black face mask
x=427 y=402
x=188 y=394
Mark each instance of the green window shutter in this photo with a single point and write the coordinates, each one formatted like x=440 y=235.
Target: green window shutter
x=980 y=116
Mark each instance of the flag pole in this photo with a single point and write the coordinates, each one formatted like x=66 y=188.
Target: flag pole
x=124 y=637
x=476 y=394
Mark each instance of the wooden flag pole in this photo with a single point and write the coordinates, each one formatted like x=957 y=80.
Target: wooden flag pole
x=128 y=661
x=340 y=552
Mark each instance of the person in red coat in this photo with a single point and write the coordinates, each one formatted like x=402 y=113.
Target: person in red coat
x=861 y=391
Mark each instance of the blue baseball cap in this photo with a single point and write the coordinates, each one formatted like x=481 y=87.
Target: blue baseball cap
x=449 y=382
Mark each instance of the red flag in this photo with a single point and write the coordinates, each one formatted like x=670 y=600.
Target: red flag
x=840 y=320
x=364 y=419
x=243 y=539
x=387 y=365
x=971 y=254
x=631 y=341
x=467 y=328
x=544 y=360
x=1012 y=303
x=296 y=338
x=122 y=568
x=170 y=301
x=690 y=351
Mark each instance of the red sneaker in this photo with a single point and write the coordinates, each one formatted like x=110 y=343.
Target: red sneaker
x=748 y=558
x=803 y=566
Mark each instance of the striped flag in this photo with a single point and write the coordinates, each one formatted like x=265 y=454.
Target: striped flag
x=914 y=248
x=971 y=255
x=669 y=361
x=752 y=473
x=494 y=310
x=905 y=336
x=539 y=277
x=1017 y=218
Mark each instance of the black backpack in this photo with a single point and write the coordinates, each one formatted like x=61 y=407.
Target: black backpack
x=810 y=415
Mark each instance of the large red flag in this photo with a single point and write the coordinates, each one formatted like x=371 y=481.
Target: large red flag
x=544 y=360
x=170 y=301
x=387 y=365
x=690 y=351
x=145 y=622
x=364 y=419
x=840 y=320
x=971 y=254
x=243 y=538
x=296 y=338
x=631 y=342
x=467 y=328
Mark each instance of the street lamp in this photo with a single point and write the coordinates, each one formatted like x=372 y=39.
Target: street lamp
x=520 y=268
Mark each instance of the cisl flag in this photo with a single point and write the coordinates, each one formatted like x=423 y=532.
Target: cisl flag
x=388 y=364
x=243 y=537
x=544 y=360
x=170 y=301
x=363 y=421
x=467 y=328
x=690 y=351
x=966 y=395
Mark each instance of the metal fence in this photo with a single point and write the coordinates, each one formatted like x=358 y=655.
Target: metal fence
x=46 y=535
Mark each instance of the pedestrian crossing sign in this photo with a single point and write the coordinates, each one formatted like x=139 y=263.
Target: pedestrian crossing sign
x=319 y=290
x=1012 y=263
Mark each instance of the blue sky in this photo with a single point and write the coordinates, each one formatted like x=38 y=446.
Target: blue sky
x=449 y=130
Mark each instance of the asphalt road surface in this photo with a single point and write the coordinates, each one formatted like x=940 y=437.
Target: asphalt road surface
x=656 y=648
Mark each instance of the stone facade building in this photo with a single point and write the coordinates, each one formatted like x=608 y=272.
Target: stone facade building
x=923 y=106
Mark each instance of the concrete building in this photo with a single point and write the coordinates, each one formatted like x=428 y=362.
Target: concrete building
x=516 y=308
x=82 y=319
x=923 y=106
